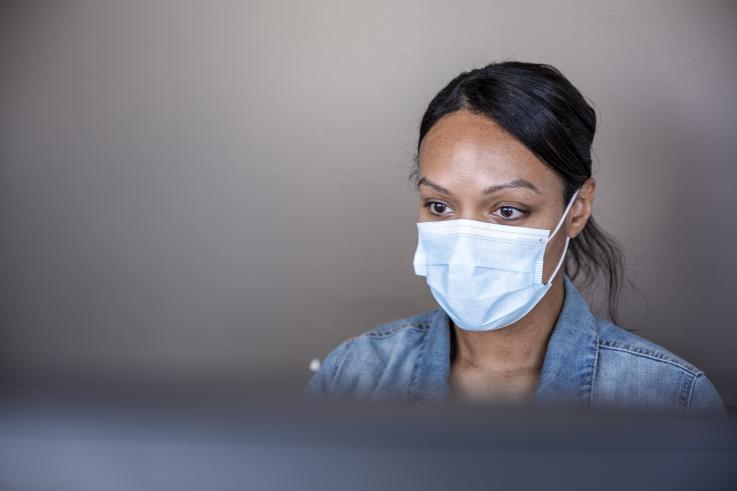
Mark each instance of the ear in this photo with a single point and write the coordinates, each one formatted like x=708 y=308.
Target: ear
x=581 y=209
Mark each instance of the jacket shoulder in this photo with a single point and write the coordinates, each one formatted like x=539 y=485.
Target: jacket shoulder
x=419 y=321
x=640 y=374
x=613 y=337
x=372 y=363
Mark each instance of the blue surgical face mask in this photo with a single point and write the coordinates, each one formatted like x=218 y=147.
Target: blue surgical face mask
x=485 y=275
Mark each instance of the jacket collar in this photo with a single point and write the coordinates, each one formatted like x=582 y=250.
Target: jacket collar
x=570 y=360
x=567 y=374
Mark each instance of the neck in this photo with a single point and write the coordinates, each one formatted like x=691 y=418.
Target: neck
x=518 y=346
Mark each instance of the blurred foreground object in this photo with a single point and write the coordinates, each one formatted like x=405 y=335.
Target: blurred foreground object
x=112 y=445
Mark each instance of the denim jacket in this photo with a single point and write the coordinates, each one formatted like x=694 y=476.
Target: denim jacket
x=589 y=363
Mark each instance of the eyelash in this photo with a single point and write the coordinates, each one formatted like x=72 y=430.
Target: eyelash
x=524 y=213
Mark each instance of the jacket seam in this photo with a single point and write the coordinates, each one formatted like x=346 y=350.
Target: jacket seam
x=339 y=363
x=413 y=376
x=384 y=334
x=593 y=373
x=646 y=354
x=690 y=391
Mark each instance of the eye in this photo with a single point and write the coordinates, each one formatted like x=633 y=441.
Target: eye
x=438 y=208
x=510 y=213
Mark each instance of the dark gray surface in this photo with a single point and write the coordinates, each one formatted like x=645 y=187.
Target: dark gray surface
x=288 y=446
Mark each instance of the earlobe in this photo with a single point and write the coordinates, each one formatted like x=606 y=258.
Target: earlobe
x=574 y=227
x=582 y=207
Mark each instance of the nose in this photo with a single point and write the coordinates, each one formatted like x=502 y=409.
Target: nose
x=473 y=213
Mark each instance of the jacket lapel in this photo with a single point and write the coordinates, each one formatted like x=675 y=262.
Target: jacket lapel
x=429 y=381
x=570 y=360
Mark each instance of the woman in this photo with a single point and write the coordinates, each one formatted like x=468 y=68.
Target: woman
x=504 y=179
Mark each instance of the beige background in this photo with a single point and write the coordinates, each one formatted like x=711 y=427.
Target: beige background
x=219 y=189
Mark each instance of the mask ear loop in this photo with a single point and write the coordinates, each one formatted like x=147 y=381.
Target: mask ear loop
x=565 y=248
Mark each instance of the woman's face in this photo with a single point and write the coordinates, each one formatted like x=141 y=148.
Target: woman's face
x=469 y=167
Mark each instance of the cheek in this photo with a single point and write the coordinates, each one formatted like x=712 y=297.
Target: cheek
x=424 y=215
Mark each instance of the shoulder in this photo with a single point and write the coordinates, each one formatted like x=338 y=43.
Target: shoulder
x=395 y=330
x=636 y=372
x=379 y=360
x=614 y=338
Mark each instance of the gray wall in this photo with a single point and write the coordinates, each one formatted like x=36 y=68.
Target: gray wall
x=221 y=188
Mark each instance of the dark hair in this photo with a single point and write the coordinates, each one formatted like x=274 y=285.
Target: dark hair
x=537 y=105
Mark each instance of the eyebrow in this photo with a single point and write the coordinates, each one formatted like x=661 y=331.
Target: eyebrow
x=427 y=182
x=517 y=183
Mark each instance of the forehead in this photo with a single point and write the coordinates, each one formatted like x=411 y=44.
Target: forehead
x=477 y=152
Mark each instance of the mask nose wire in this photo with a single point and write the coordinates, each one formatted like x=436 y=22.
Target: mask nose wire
x=565 y=248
